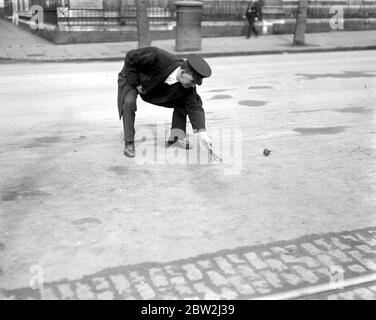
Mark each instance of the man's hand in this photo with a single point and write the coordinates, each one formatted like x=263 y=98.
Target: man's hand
x=205 y=140
x=140 y=89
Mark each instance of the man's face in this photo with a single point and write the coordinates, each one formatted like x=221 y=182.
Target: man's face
x=186 y=79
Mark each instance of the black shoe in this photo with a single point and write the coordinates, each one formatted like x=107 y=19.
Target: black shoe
x=180 y=143
x=170 y=143
x=129 y=150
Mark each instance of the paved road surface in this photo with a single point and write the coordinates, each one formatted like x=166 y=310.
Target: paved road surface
x=73 y=206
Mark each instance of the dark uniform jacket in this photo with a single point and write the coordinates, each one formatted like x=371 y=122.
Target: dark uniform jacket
x=150 y=67
x=254 y=10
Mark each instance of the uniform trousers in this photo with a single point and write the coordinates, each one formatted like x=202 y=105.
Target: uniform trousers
x=179 y=117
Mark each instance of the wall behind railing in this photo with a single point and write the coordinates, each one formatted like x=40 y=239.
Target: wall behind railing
x=163 y=12
x=115 y=20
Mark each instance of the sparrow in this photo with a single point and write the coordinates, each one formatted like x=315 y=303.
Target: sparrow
x=266 y=152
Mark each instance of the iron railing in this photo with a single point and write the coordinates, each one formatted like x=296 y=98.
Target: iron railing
x=323 y=12
x=162 y=12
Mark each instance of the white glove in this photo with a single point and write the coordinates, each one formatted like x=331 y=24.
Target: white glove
x=205 y=140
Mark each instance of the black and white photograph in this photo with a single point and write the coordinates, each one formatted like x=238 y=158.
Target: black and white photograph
x=200 y=151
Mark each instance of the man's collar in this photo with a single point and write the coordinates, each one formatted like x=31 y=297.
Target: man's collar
x=172 y=78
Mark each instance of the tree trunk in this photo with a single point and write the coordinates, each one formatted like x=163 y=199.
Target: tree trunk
x=143 y=32
x=301 y=23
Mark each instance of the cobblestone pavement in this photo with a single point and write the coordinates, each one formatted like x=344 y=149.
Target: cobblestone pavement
x=241 y=273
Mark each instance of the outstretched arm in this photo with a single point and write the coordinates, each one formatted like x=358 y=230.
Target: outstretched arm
x=196 y=114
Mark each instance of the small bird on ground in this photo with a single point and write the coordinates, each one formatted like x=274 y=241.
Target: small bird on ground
x=266 y=152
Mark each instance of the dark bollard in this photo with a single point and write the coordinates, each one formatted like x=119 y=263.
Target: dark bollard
x=188 y=25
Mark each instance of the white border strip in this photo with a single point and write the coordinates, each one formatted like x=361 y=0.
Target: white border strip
x=322 y=288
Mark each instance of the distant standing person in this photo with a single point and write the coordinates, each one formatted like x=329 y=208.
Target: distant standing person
x=253 y=13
